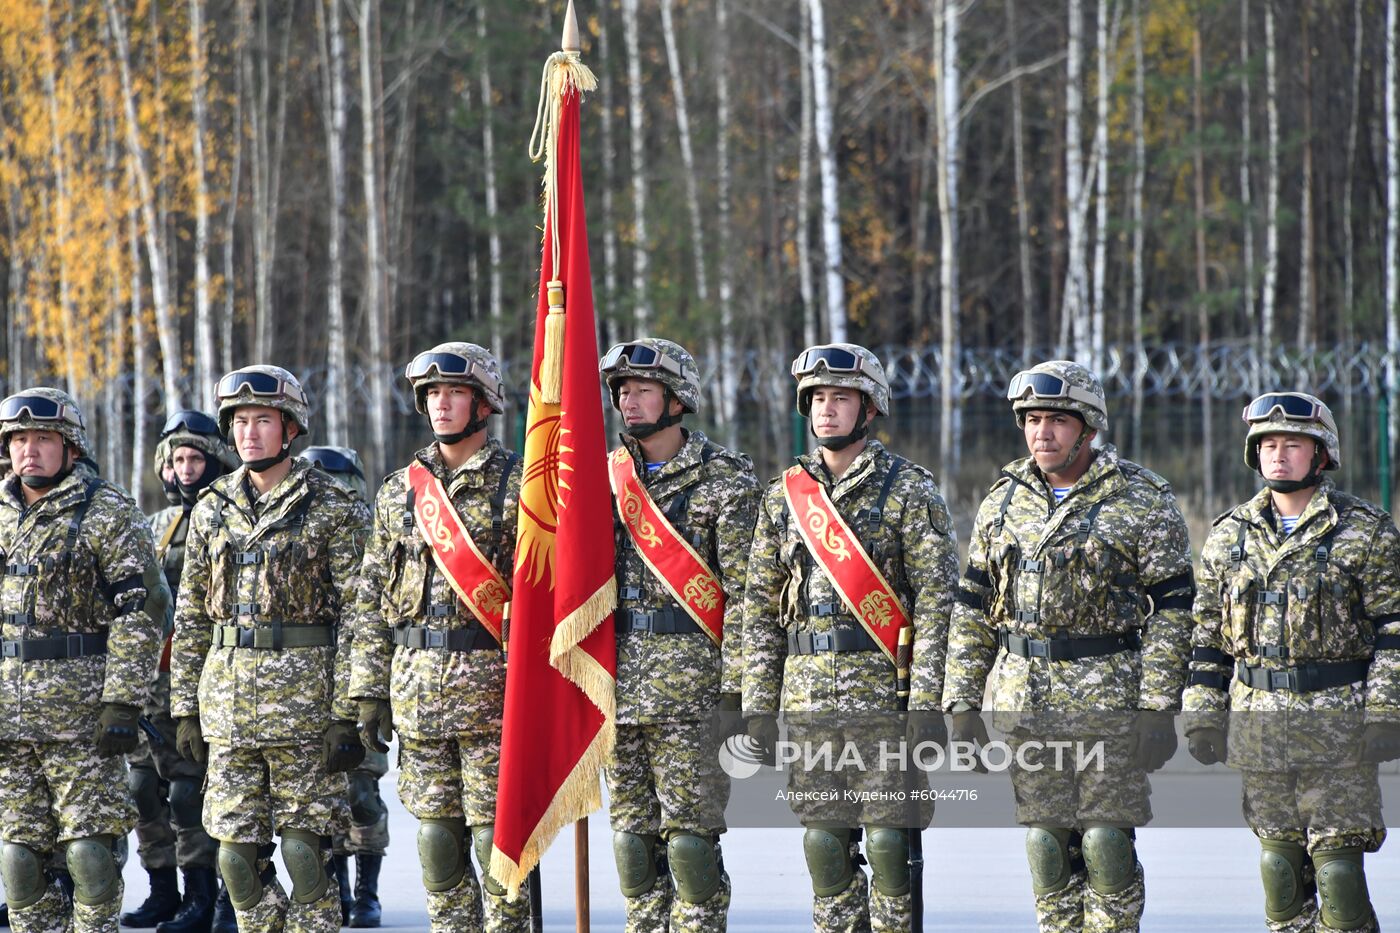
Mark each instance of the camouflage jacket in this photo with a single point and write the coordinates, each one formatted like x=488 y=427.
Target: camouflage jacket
x=914 y=546
x=288 y=556
x=1084 y=567
x=709 y=494
x=435 y=693
x=172 y=556
x=79 y=560
x=1318 y=608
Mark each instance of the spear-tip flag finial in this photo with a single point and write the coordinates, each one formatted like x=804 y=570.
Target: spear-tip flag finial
x=570 y=41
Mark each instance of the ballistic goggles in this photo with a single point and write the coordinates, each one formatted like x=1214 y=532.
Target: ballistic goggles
x=639 y=356
x=1294 y=406
x=40 y=409
x=191 y=422
x=261 y=385
x=452 y=364
x=1048 y=386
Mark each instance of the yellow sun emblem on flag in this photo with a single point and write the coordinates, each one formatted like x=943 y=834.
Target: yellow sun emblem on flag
x=541 y=487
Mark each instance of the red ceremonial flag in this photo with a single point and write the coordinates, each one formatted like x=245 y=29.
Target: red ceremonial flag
x=562 y=662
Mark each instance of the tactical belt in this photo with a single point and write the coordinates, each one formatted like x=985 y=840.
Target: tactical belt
x=469 y=638
x=1305 y=678
x=838 y=639
x=72 y=645
x=274 y=636
x=669 y=621
x=1069 y=647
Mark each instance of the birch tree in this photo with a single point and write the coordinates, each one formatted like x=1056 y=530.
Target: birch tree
x=1348 y=180
x=727 y=378
x=824 y=116
x=333 y=117
x=1138 y=223
x=1100 y=189
x=692 y=190
x=140 y=458
x=1246 y=188
x=1270 y=286
x=1392 y=223
x=610 y=261
x=488 y=153
x=947 y=91
x=1029 y=311
x=374 y=297
x=641 y=248
x=1307 y=288
x=204 y=362
x=1076 y=298
x=806 y=287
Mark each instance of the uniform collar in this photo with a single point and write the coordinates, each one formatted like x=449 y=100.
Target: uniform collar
x=688 y=456
x=1104 y=466
x=469 y=474
x=240 y=489
x=861 y=467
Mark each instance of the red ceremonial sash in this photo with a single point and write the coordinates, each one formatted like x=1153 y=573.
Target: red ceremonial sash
x=476 y=582
x=862 y=586
x=667 y=555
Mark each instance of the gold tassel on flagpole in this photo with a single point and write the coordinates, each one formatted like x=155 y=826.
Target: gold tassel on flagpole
x=563 y=71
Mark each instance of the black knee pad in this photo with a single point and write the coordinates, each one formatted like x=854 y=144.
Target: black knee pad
x=144 y=786
x=186 y=803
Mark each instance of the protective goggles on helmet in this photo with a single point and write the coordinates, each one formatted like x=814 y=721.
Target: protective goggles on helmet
x=1294 y=406
x=835 y=359
x=639 y=356
x=192 y=422
x=332 y=461
x=263 y=385
x=1048 y=386
x=452 y=364
x=39 y=409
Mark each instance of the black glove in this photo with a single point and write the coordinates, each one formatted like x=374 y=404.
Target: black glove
x=926 y=726
x=1155 y=739
x=1380 y=741
x=117 y=729
x=189 y=740
x=763 y=729
x=1206 y=744
x=969 y=727
x=342 y=749
x=726 y=720
x=376 y=724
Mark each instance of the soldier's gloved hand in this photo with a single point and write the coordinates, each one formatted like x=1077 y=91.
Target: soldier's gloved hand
x=763 y=729
x=189 y=740
x=1206 y=744
x=117 y=729
x=376 y=724
x=926 y=726
x=969 y=727
x=727 y=720
x=1380 y=741
x=342 y=749
x=1155 y=739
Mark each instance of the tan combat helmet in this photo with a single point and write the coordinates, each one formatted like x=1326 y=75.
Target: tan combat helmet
x=1059 y=385
x=1290 y=413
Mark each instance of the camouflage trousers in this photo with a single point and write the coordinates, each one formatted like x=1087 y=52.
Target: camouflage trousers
x=369 y=818
x=1116 y=795
x=50 y=794
x=665 y=778
x=828 y=796
x=1321 y=808
x=456 y=779
x=253 y=793
x=168 y=791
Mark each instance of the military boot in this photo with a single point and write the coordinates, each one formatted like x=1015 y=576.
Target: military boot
x=4 y=915
x=342 y=878
x=160 y=905
x=365 y=911
x=224 y=919
x=197 y=910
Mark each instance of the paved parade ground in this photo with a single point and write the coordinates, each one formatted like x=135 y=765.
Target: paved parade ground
x=1198 y=880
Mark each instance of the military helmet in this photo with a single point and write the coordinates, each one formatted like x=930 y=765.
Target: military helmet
x=191 y=428
x=840 y=365
x=262 y=384
x=1059 y=385
x=343 y=463
x=659 y=360
x=456 y=363
x=43 y=409
x=1290 y=413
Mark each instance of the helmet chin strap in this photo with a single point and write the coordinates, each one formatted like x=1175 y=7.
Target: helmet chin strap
x=48 y=482
x=1296 y=485
x=1073 y=451
x=842 y=441
x=643 y=431
x=472 y=426
x=263 y=464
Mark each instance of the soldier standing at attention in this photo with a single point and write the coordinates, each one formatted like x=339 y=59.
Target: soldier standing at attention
x=368 y=836
x=82 y=606
x=852 y=545
x=270 y=566
x=1076 y=598
x=429 y=658
x=168 y=789
x=685 y=512
x=1298 y=610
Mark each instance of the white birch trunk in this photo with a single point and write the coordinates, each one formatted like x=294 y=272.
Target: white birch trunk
x=204 y=363
x=605 y=80
x=334 y=118
x=140 y=459
x=488 y=147
x=1139 y=179
x=374 y=258
x=1392 y=222
x=1029 y=311
x=1307 y=293
x=62 y=206
x=641 y=249
x=1246 y=188
x=231 y=209
x=1348 y=181
x=727 y=378
x=1076 y=299
x=807 y=289
x=1270 y=285
x=1100 y=191
x=947 y=91
x=824 y=114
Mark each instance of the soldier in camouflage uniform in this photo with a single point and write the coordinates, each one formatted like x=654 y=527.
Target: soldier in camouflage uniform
x=368 y=836
x=270 y=567
x=423 y=663
x=806 y=652
x=82 y=604
x=169 y=790
x=1298 y=612
x=1076 y=600
x=666 y=791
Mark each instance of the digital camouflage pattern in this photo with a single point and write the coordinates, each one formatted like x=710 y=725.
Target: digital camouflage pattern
x=478 y=355
x=685 y=387
x=1095 y=416
x=872 y=380
x=915 y=547
x=1303 y=779
x=1093 y=578
x=368 y=833
x=447 y=705
x=294 y=409
x=289 y=557
x=1322 y=429
x=89 y=567
x=74 y=434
